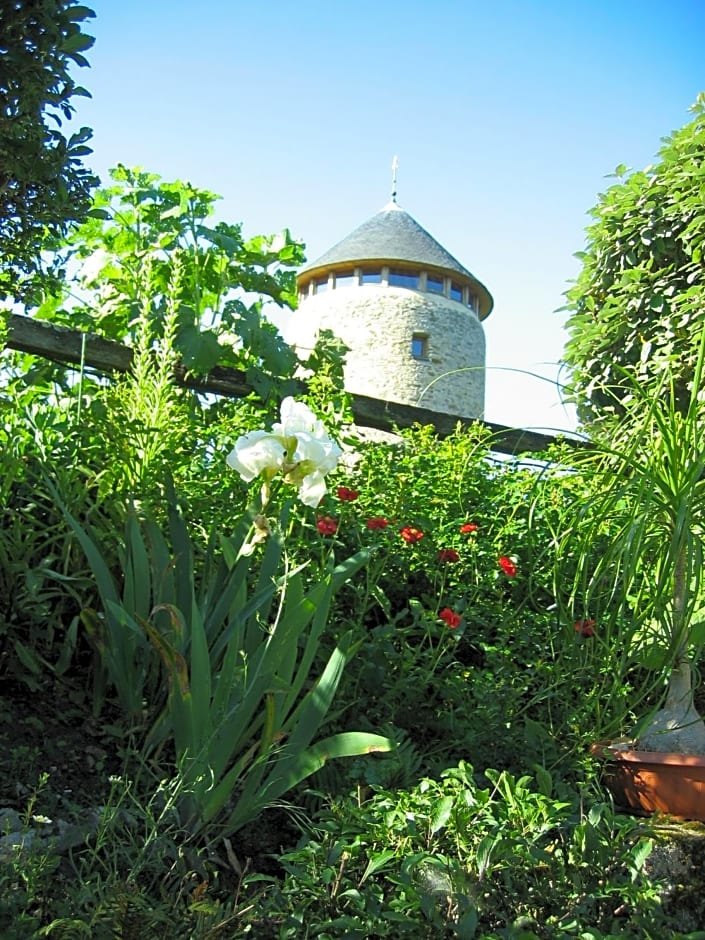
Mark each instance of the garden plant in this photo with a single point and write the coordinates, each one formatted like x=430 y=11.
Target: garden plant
x=637 y=353
x=207 y=601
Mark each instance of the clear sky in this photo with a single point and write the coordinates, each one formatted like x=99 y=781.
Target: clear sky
x=506 y=117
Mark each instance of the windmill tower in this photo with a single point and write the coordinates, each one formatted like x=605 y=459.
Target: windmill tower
x=408 y=311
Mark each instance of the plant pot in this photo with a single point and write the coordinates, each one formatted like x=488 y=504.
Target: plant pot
x=647 y=782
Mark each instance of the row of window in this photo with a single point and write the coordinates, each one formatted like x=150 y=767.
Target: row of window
x=391 y=277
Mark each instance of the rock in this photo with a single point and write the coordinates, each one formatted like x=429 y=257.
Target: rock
x=676 y=863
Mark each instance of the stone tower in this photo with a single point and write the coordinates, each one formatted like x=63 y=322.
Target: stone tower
x=408 y=311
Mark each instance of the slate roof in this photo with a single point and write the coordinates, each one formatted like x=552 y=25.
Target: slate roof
x=390 y=235
x=394 y=235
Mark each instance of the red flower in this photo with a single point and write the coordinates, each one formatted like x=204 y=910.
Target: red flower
x=450 y=617
x=507 y=566
x=326 y=525
x=448 y=554
x=468 y=527
x=377 y=522
x=346 y=495
x=411 y=534
x=584 y=627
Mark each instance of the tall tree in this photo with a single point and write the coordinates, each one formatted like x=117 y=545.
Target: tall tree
x=638 y=305
x=44 y=186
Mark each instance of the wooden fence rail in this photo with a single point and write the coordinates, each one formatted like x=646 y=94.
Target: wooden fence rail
x=73 y=347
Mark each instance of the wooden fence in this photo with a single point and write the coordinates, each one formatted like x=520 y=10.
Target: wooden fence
x=73 y=347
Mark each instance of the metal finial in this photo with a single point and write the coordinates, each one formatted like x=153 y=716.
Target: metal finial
x=395 y=166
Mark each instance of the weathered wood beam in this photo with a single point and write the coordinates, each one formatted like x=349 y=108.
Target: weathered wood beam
x=384 y=416
x=72 y=347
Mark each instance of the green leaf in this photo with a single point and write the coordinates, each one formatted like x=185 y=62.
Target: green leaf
x=79 y=42
x=302 y=765
x=27 y=657
x=76 y=13
x=641 y=852
x=543 y=780
x=697 y=633
x=174 y=213
x=137 y=585
x=200 y=349
x=441 y=814
x=377 y=862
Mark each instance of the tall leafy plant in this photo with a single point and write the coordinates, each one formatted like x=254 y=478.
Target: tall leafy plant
x=239 y=648
x=636 y=352
x=238 y=637
x=219 y=294
x=638 y=550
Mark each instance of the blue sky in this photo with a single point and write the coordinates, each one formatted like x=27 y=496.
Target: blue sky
x=506 y=118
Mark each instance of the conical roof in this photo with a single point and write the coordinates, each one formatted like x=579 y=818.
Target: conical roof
x=394 y=235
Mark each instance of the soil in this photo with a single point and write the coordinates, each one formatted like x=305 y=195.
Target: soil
x=58 y=758
x=48 y=730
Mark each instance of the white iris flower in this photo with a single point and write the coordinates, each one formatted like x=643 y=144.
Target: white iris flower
x=298 y=447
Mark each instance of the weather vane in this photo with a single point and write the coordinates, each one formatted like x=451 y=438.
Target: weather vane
x=395 y=166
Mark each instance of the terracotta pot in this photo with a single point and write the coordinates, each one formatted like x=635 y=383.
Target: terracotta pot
x=648 y=781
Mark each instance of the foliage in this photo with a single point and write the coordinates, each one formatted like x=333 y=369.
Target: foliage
x=511 y=685
x=70 y=437
x=239 y=714
x=643 y=534
x=638 y=547
x=637 y=306
x=151 y=246
x=43 y=575
x=463 y=647
x=228 y=640
x=43 y=185
x=111 y=441
x=25 y=869
x=118 y=870
x=458 y=857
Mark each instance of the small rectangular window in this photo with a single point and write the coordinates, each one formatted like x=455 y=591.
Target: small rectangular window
x=345 y=280
x=402 y=279
x=419 y=346
x=456 y=292
x=472 y=302
x=371 y=277
x=435 y=285
x=320 y=286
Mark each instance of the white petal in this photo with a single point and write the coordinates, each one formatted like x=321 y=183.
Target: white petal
x=256 y=452
x=297 y=417
x=322 y=452
x=312 y=489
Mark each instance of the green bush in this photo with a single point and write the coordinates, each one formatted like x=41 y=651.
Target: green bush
x=455 y=857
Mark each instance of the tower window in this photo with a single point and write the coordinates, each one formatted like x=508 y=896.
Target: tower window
x=402 y=279
x=345 y=280
x=371 y=277
x=419 y=345
x=320 y=285
x=435 y=285
x=456 y=292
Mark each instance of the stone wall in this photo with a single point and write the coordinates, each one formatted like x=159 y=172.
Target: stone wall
x=378 y=324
